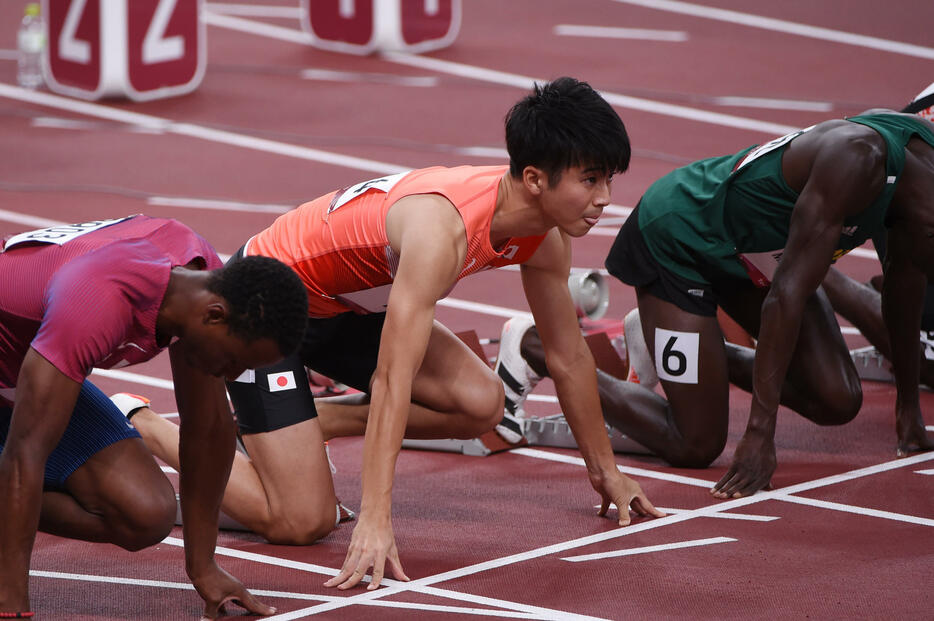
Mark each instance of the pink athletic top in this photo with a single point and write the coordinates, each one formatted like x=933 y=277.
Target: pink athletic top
x=89 y=294
x=338 y=245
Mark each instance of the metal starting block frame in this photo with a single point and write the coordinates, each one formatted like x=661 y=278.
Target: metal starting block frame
x=871 y=365
x=552 y=431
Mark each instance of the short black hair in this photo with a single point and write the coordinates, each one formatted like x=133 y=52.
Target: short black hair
x=565 y=123
x=267 y=300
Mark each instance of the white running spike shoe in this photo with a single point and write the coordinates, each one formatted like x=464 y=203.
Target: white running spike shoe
x=518 y=377
x=641 y=368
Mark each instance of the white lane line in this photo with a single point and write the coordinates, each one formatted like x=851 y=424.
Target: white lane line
x=486 y=309
x=202 y=203
x=836 y=506
x=538 y=612
x=610 y=32
x=252 y=10
x=26 y=219
x=184 y=586
x=136 y=378
x=329 y=75
x=511 y=79
x=780 y=25
x=773 y=104
x=930 y=427
x=727 y=505
x=648 y=549
x=642 y=472
x=925 y=471
x=748 y=517
x=623 y=101
x=200 y=132
x=168 y=470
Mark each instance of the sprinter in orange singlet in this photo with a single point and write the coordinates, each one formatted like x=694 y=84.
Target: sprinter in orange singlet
x=376 y=257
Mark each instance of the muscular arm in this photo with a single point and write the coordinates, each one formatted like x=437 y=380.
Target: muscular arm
x=45 y=399
x=207 y=437
x=429 y=236
x=843 y=176
x=902 y=297
x=571 y=366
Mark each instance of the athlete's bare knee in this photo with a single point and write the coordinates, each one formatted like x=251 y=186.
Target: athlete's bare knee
x=695 y=455
x=300 y=530
x=150 y=520
x=485 y=406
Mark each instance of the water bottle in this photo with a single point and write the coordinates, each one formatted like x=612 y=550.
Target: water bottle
x=30 y=41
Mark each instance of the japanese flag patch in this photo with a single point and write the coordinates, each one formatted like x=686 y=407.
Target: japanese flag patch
x=281 y=381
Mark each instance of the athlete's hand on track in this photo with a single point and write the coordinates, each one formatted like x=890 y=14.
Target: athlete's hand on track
x=622 y=491
x=217 y=587
x=753 y=464
x=912 y=436
x=371 y=545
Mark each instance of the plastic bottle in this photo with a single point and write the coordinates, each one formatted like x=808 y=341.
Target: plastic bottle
x=30 y=42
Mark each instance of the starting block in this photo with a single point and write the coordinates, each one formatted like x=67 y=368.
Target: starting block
x=871 y=365
x=552 y=431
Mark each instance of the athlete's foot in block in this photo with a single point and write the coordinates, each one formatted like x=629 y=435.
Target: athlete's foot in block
x=912 y=435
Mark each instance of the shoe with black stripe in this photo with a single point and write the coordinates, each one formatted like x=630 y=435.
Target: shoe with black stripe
x=518 y=377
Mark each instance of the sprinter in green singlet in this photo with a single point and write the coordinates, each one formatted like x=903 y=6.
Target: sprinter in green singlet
x=755 y=233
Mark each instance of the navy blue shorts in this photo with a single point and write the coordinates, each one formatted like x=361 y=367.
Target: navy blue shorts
x=95 y=424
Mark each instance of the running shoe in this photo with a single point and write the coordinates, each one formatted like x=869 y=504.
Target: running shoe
x=128 y=403
x=518 y=377
x=641 y=367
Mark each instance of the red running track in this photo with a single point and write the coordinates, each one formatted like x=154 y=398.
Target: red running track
x=845 y=533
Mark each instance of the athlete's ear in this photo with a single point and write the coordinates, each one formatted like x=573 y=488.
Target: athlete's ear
x=534 y=179
x=215 y=312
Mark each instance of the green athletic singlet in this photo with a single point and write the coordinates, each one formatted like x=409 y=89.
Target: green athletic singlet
x=729 y=216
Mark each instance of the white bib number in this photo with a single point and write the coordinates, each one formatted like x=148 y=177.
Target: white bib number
x=61 y=233
x=676 y=355
x=383 y=184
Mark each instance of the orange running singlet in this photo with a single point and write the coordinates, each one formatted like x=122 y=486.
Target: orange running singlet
x=338 y=246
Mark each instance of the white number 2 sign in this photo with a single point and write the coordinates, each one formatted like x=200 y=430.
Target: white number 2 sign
x=141 y=49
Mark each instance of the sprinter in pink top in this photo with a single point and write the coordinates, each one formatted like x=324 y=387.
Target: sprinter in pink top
x=108 y=294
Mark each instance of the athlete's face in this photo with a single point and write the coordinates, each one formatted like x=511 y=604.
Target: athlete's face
x=575 y=203
x=222 y=354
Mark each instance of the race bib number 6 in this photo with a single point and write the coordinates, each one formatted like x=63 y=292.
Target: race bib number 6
x=676 y=355
x=61 y=233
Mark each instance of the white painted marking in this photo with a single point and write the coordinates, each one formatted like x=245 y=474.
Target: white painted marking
x=623 y=101
x=542 y=398
x=27 y=220
x=487 y=309
x=749 y=517
x=609 y=32
x=836 y=506
x=641 y=472
x=290 y=35
x=197 y=131
x=53 y=122
x=168 y=470
x=126 y=376
x=201 y=203
x=510 y=79
x=184 y=586
x=536 y=611
x=780 y=25
x=252 y=10
x=158 y=48
x=773 y=104
x=930 y=427
x=931 y=472
x=649 y=549
x=491 y=152
x=328 y=75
